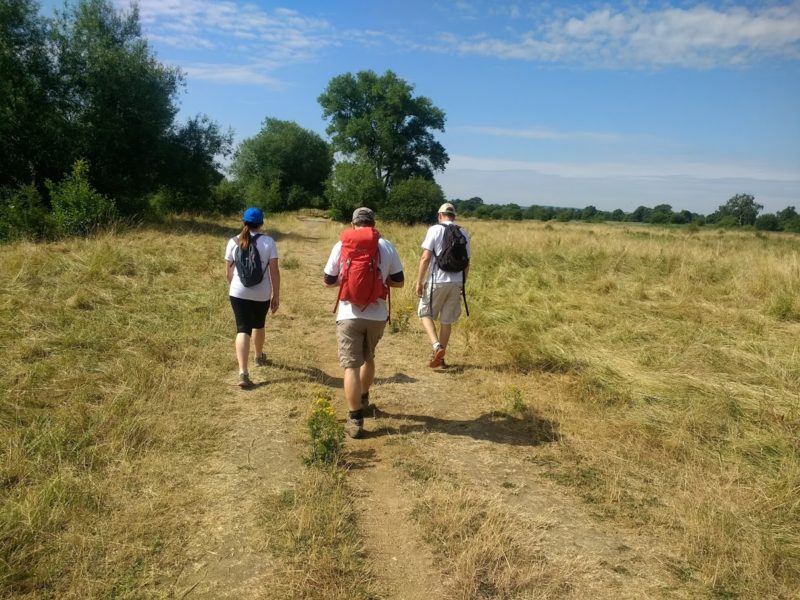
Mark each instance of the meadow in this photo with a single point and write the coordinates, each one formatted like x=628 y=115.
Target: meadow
x=621 y=419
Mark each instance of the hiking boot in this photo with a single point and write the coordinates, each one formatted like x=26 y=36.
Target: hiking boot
x=244 y=381
x=261 y=360
x=354 y=427
x=438 y=358
x=367 y=409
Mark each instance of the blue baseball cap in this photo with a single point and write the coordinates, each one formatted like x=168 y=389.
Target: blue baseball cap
x=253 y=215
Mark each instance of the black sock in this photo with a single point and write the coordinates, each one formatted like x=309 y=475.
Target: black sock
x=365 y=396
x=356 y=414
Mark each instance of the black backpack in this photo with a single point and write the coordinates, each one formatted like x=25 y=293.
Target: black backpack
x=248 y=263
x=454 y=257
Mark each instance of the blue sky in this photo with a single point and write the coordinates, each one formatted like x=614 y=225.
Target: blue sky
x=614 y=104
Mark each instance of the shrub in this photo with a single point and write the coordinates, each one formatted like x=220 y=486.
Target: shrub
x=768 y=222
x=353 y=184
x=412 y=201
x=326 y=434
x=78 y=209
x=227 y=198
x=23 y=214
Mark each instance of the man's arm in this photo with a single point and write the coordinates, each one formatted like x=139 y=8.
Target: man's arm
x=424 y=265
x=275 y=278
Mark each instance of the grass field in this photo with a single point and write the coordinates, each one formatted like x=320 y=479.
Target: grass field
x=644 y=380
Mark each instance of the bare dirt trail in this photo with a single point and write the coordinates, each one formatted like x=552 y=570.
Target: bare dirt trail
x=452 y=415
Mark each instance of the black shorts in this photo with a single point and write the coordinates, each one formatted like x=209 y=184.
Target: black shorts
x=250 y=314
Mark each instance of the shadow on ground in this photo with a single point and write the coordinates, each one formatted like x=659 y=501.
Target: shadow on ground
x=319 y=376
x=497 y=427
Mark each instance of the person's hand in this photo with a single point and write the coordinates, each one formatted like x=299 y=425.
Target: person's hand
x=275 y=304
x=419 y=289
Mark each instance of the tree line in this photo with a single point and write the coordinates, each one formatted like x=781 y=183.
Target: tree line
x=89 y=134
x=739 y=211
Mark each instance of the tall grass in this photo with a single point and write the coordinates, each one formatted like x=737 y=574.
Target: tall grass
x=679 y=361
x=104 y=365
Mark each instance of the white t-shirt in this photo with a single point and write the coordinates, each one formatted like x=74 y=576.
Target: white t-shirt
x=434 y=240
x=267 y=250
x=390 y=265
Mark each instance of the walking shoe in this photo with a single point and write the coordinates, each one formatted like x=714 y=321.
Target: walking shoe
x=261 y=360
x=354 y=427
x=438 y=358
x=367 y=409
x=244 y=381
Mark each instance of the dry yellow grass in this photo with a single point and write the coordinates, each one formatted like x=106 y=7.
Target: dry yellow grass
x=668 y=361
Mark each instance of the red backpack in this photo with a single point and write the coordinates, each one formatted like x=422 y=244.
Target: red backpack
x=360 y=281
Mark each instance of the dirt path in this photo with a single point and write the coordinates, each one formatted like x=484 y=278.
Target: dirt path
x=451 y=413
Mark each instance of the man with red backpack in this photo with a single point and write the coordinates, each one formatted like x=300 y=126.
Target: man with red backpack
x=364 y=266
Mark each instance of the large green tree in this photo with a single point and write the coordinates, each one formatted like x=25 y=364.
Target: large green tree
x=120 y=100
x=742 y=209
x=283 y=167
x=31 y=120
x=379 y=118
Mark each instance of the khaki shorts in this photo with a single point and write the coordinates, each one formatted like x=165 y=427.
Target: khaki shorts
x=356 y=340
x=446 y=306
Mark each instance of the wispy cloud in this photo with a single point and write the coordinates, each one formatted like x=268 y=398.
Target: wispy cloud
x=251 y=42
x=697 y=37
x=542 y=134
x=653 y=169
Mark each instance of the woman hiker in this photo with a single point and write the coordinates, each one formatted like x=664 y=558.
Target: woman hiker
x=251 y=268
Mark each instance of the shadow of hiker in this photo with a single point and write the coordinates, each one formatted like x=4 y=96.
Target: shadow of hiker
x=319 y=376
x=496 y=426
x=357 y=460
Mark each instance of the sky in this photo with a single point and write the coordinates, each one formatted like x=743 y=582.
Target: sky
x=611 y=104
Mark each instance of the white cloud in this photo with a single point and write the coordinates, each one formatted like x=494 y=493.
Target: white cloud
x=653 y=169
x=250 y=41
x=610 y=186
x=697 y=37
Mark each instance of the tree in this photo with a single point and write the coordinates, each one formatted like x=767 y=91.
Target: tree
x=285 y=164
x=120 y=100
x=191 y=156
x=31 y=122
x=742 y=207
x=353 y=184
x=768 y=222
x=640 y=215
x=379 y=117
x=412 y=201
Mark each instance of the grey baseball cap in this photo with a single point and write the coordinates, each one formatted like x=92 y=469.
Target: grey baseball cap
x=363 y=215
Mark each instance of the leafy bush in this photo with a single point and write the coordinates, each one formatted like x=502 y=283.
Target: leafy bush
x=23 y=214
x=412 y=201
x=768 y=222
x=227 y=198
x=353 y=184
x=77 y=208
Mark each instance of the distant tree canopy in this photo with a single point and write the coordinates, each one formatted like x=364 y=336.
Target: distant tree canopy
x=785 y=220
x=742 y=209
x=379 y=120
x=283 y=167
x=85 y=87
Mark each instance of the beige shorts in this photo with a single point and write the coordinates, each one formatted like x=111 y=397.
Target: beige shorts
x=446 y=306
x=356 y=340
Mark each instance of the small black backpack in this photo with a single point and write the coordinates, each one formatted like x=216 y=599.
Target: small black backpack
x=248 y=263
x=454 y=257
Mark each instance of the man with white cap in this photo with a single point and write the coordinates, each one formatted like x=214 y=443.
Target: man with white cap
x=443 y=268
